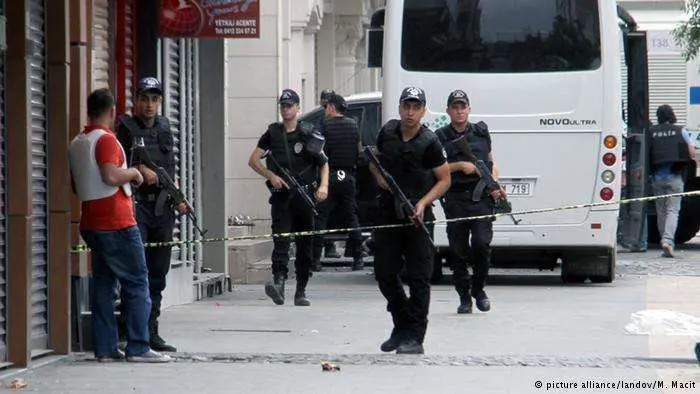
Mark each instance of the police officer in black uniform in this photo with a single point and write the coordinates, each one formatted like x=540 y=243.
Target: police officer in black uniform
x=154 y=212
x=671 y=149
x=413 y=156
x=330 y=249
x=342 y=148
x=459 y=201
x=297 y=147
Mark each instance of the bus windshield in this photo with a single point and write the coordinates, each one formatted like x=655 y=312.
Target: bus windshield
x=500 y=36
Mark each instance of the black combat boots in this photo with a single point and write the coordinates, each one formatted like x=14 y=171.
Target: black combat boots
x=300 y=295
x=482 y=301
x=465 y=303
x=275 y=289
x=358 y=263
x=156 y=342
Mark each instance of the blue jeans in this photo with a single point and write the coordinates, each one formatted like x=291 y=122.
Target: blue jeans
x=118 y=255
x=667 y=209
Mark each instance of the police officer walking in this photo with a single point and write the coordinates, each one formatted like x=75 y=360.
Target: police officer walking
x=671 y=150
x=342 y=148
x=413 y=156
x=329 y=246
x=295 y=148
x=460 y=201
x=154 y=211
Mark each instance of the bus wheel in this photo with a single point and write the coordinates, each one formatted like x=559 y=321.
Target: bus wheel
x=599 y=267
x=569 y=274
x=606 y=269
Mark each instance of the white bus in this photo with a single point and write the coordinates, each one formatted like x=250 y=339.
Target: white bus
x=545 y=76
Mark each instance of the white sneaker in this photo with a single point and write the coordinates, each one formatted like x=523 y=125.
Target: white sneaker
x=151 y=356
x=668 y=250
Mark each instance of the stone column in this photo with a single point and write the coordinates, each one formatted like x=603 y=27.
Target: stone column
x=348 y=35
x=326 y=58
x=309 y=76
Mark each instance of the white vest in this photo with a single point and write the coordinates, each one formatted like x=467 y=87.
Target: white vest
x=85 y=171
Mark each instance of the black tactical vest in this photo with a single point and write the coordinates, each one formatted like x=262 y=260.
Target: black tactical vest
x=404 y=160
x=667 y=145
x=289 y=151
x=479 y=141
x=159 y=143
x=342 y=137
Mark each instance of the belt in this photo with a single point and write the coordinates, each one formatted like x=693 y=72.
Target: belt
x=466 y=188
x=350 y=170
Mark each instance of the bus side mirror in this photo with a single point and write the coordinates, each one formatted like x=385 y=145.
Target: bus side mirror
x=375 y=39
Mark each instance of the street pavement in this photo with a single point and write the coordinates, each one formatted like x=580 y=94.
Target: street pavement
x=538 y=331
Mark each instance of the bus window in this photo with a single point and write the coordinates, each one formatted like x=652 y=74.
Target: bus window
x=370 y=124
x=506 y=36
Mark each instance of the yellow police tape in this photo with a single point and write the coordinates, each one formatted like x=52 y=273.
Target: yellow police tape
x=84 y=248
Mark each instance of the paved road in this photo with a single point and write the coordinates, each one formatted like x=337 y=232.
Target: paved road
x=538 y=330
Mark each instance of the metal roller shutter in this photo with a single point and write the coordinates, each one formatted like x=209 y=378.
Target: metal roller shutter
x=37 y=35
x=173 y=109
x=667 y=84
x=3 y=233
x=188 y=143
x=130 y=52
x=102 y=17
x=196 y=135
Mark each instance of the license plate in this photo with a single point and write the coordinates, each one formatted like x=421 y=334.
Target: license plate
x=517 y=188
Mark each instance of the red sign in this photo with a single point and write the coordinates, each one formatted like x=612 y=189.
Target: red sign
x=209 y=19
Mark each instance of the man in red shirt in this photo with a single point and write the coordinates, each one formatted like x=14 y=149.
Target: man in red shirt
x=103 y=184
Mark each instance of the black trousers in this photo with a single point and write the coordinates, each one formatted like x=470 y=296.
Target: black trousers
x=341 y=201
x=409 y=248
x=478 y=251
x=156 y=229
x=290 y=214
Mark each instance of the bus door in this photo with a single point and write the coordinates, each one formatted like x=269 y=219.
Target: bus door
x=633 y=214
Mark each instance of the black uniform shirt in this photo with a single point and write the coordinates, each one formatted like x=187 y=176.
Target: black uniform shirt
x=434 y=155
x=265 y=143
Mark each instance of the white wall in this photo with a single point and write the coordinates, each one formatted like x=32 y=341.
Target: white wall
x=287 y=56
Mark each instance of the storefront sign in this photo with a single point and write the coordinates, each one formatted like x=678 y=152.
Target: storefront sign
x=209 y=19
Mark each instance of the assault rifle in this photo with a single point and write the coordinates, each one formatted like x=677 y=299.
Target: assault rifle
x=139 y=149
x=405 y=208
x=486 y=182
x=294 y=185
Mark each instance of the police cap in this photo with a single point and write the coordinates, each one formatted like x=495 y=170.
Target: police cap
x=458 y=96
x=150 y=84
x=413 y=93
x=289 y=97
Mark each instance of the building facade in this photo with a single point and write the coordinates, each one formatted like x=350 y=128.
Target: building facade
x=55 y=53
x=310 y=46
x=671 y=78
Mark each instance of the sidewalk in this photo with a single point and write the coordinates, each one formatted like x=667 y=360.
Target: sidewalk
x=241 y=342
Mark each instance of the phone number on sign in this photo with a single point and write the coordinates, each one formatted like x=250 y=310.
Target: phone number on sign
x=614 y=385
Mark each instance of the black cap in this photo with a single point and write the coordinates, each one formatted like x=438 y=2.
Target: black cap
x=413 y=93
x=458 y=96
x=150 y=84
x=325 y=95
x=338 y=102
x=289 y=96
